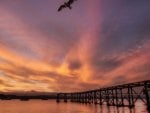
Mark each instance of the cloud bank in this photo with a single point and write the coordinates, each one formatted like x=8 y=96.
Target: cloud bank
x=96 y=44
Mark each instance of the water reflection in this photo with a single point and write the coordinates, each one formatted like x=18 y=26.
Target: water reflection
x=39 y=106
x=108 y=109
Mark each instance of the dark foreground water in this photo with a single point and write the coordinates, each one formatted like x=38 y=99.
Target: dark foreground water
x=50 y=106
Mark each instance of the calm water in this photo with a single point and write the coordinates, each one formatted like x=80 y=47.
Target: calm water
x=50 y=106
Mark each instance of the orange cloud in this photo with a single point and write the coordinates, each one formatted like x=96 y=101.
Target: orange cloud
x=34 y=60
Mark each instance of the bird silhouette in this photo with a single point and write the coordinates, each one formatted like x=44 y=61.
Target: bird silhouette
x=66 y=4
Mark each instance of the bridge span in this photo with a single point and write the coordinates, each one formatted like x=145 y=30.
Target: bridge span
x=120 y=95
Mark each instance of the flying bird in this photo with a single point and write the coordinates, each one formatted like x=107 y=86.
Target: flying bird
x=66 y=4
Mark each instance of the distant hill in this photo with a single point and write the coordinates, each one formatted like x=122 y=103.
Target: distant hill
x=32 y=93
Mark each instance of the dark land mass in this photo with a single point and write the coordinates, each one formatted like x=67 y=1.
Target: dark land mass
x=28 y=96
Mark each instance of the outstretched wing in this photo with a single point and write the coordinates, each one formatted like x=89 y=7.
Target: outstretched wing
x=61 y=7
x=70 y=2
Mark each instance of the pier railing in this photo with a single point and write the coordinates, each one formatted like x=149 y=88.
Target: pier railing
x=119 y=95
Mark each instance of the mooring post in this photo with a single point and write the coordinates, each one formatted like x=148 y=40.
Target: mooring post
x=71 y=97
x=86 y=97
x=130 y=98
x=122 y=99
x=90 y=97
x=146 y=91
x=82 y=98
x=107 y=97
x=76 y=97
x=100 y=97
x=83 y=94
x=79 y=97
x=113 y=103
x=95 y=97
x=116 y=96
x=58 y=94
x=65 y=97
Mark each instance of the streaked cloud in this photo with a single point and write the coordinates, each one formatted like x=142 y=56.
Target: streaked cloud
x=96 y=44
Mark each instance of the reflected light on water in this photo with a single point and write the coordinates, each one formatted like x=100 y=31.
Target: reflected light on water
x=50 y=106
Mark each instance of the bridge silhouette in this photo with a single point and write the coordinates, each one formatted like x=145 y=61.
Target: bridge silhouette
x=124 y=95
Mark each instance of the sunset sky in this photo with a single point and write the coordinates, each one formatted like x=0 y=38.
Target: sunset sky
x=96 y=44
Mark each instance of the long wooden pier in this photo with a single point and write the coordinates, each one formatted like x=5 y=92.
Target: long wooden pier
x=119 y=95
